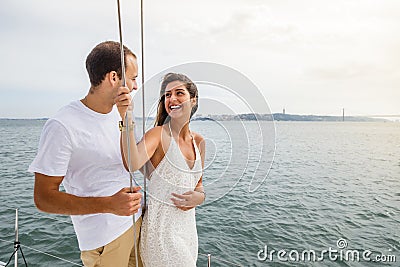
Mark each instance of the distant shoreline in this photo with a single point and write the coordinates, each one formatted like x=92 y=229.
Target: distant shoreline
x=264 y=117
x=287 y=117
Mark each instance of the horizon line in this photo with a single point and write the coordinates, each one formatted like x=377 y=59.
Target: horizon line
x=201 y=115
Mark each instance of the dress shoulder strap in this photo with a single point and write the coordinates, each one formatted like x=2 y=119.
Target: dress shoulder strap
x=170 y=130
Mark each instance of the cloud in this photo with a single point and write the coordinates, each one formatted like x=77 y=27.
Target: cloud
x=251 y=25
x=347 y=71
x=285 y=46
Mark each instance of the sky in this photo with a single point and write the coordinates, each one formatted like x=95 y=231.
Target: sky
x=307 y=56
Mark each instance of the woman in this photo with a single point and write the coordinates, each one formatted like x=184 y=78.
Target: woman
x=174 y=157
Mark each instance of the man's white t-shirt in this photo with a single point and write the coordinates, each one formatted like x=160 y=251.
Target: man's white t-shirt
x=84 y=147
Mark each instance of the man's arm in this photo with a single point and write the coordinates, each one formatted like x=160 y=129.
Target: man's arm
x=49 y=198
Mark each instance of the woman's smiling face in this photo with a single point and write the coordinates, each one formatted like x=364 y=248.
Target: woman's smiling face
x=177 y=100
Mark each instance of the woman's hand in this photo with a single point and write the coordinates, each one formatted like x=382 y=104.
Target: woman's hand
x=188 y=200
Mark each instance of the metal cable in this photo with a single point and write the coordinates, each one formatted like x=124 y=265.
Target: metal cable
x=128 y=130
x=143 y=107
x=121 y=45
x=45 y=253
x=38 y=214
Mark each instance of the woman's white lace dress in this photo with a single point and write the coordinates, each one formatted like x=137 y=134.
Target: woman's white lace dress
x=168 y=234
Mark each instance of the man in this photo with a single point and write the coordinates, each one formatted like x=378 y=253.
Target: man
x=80 y=148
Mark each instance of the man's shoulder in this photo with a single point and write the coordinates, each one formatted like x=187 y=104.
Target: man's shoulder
x=70 y=114
x=65 y=119
x=67 y=110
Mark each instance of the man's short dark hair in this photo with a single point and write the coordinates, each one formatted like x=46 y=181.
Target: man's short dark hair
x=105 y=57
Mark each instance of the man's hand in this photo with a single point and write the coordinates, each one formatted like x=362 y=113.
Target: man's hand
x=188 y=200
x=124 y=203
x=123 y=100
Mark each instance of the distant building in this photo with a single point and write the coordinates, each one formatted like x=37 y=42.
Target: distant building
x=343 y=115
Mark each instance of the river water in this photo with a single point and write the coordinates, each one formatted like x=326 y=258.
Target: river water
x=331 y=186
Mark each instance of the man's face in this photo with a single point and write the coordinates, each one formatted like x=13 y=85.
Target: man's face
x=131 y=73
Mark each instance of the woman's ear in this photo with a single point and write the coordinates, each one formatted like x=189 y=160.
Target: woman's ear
x=193 y=101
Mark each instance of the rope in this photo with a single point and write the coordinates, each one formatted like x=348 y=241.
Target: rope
x=34 y=215
x=18 y=247
x=219 y=259
x=76 y=264
x=42 y=252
